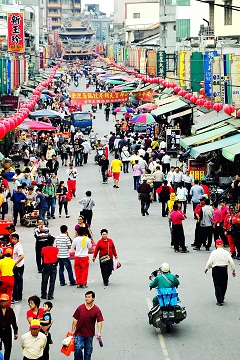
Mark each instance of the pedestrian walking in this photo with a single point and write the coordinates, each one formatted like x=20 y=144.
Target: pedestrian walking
x=196 y=193
x=41 y=234
x=35 y=311
x=6 y=270
x=33 y=342
x=83 y=327
x=63 y=242
x=7 y=323
x=166 y=159
x=62 y=194
x=88 y=204
x=188 y=182
x=137 y=172
x=81 y=244
x=49 y=192
x=206 y=215
x=178 y=237
x=125 y=158
x=218 y=261
x=18 y=270
x=18 y=199
x=106 y=248
x=49 y=269
x=158 y=180
x=164 y=192
x=104 y=167
x=116 y=167
x=145 y=196
x=72 y=180
x=41 y=205
x=228 y=226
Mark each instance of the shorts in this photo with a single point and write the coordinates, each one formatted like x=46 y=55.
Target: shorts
x=116 y=175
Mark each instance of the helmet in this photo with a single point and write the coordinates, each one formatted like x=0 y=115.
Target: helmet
x=165 y=267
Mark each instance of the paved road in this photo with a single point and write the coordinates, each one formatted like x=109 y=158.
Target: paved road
x=209 y=332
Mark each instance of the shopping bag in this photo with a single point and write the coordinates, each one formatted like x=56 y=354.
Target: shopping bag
x=92 y=249
x=67 y=349
x=116 y=264
x=109 y=174
x=72 y=254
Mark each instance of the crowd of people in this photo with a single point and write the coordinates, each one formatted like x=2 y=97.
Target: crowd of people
x=36 y=190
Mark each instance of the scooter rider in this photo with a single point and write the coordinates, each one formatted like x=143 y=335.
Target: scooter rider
x=164 y=280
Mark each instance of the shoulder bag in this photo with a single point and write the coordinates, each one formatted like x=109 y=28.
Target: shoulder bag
x=105 y=258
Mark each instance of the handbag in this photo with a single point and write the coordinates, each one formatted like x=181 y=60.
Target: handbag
x=116 y=264
x=109 y=174
x=64 y=199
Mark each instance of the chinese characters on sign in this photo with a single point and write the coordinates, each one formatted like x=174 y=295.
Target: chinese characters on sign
x=161 y=64
x=208 y=60
x=78 y=98
x=15 y=32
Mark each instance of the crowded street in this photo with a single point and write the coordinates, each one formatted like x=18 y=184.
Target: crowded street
x=142 y=243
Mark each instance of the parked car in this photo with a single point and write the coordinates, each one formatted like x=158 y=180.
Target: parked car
x=82 y=121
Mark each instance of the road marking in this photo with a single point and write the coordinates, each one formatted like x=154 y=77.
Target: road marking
x=160 y=336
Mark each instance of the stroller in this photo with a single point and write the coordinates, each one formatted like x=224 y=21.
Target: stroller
x=31 y=216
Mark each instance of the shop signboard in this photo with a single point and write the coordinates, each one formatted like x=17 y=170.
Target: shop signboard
x=161 y=64
x=208 y=60
x=197 y=168
x=15 y=24
x=235 y=79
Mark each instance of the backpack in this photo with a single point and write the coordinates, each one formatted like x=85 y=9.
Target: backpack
x=164 y=194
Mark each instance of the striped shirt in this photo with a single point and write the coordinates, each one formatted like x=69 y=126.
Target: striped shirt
x=41 y=234
x=62 y=242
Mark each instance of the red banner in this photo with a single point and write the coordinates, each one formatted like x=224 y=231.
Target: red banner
x=16 y=42
x=79 y=98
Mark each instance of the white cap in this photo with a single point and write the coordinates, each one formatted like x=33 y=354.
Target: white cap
x=165 y=267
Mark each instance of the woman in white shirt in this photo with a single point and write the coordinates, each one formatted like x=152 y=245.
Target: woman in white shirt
x=182 y=194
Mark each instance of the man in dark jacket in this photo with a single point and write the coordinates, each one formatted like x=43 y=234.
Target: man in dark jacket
x=53 y=165
x=144 y=194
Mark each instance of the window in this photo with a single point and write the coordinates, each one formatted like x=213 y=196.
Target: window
x=228 y=12
x=136 y=15
x=183 y=2
x=182 y=28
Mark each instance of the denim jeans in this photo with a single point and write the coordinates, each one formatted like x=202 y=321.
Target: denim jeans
x=136 y=180
x=49 y=273
x=18 y=282
x=51 y=205
x=42 y=215
x=67 y=264
x=80 y=343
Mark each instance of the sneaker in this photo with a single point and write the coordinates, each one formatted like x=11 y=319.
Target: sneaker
x=114 y=186
x=14 y=301
x=147 y=213
x=84 y=286
x=184 y=251
x=63 y=284
x=50 y=298
x=79 y=286
x=196 y=248
x=193 y=244
x=117 y=187
x=67 y=216
x=53 y=217
x=60 y=215
x=43 y=296
x=219 y=304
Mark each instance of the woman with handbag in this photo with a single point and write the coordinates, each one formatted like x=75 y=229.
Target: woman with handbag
x=82 y=223
x=61 y=192
x=106 y=248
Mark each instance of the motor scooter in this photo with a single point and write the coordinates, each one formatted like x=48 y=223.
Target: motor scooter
x=169 y=311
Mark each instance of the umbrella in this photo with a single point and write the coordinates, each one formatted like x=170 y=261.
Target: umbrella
x=48 y=92
x=124 y=109
x=45 y=113
x=147 y=106
x=134 y=157
x=143 y=119
x=38 y=125
x=114 y=82
x=44 y=97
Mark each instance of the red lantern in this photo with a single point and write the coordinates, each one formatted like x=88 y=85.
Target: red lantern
x=176 y=89
x=208 y=104
x=202 y=84
x=193 y=99
x=200 y=102
x=188 y=96
x=202 y=91
x=229 y=109
x=218 y=107
x=238 y=113
x=6 y=124
x=2 y=131
x=182 y=92
x=11 y=122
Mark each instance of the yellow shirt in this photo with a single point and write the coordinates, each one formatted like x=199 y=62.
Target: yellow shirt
x=6 y=266
x=1 y=199
x=116 y=165
x=33 y=346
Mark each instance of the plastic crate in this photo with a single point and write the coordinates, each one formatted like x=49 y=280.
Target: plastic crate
x=167 y=296
x=3 y=225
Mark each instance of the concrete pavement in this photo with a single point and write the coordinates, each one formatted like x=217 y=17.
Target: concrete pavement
x=142 y=243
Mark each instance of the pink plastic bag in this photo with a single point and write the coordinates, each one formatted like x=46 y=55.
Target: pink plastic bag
x=116 y=264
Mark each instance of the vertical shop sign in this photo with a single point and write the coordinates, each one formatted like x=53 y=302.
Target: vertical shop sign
x=16 y=42
x=208 y=59
x=161 y=64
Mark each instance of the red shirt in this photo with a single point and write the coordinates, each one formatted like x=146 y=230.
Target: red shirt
x=49 y=254
x=224 y=211
x=176 y=217
x=86 y=320
x=105 y=248
x=206 y=189
x=217 y=216
x=198 y=209
x=4 y=248
x=5 y=182
x=39 y=315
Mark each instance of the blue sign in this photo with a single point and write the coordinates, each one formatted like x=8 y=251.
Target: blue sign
x=208 y=58
x=8 y=76
x=115 y=51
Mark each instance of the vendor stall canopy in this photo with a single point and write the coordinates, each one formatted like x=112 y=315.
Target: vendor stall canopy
x=169 y=107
